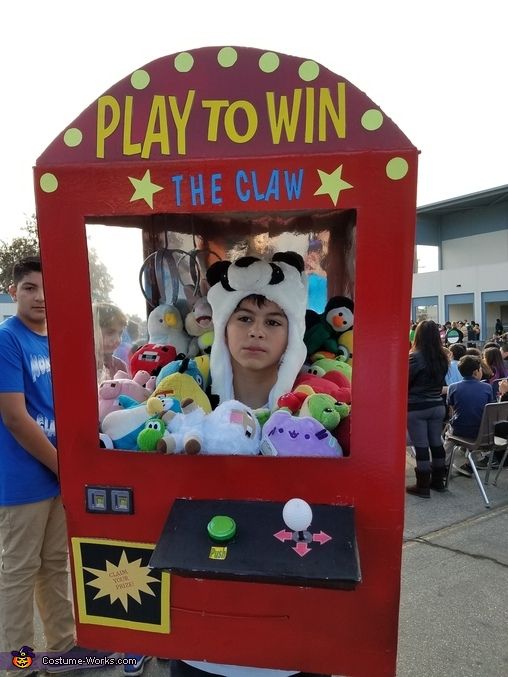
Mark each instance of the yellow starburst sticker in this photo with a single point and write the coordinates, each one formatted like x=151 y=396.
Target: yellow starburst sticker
x=123 y=580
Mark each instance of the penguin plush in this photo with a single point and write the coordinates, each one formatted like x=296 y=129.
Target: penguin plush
x=330 y=331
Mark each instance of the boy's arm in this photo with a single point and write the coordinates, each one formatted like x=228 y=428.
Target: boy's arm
x=26 y=431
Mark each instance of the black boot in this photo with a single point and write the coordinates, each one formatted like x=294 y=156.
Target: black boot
x=422 y=486
x=438 y=479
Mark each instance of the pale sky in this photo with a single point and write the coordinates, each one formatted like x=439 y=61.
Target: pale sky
x=436 y=67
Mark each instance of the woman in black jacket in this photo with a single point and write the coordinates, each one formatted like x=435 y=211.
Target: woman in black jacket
x=428 y=364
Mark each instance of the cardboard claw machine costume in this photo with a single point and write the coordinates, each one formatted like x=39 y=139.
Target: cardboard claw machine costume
x=231 y=151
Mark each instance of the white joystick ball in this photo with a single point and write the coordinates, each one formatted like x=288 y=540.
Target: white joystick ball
x=297 y=514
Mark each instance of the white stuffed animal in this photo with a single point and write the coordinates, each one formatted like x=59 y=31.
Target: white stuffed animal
x=232 y=428
x=165 y=327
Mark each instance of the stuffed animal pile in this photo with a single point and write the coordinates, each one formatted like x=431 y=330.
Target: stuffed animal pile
x=170 y=337
x=164 y=408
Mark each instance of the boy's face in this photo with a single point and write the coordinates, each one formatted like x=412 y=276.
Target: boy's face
x=29 y=295
x=111 y=337
x=257 y=337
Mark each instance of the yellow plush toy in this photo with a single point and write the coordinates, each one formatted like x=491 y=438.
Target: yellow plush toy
x=182 y=387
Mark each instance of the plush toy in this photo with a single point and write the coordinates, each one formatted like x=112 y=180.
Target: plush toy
x=183 y=387
x=152 y=432
x=197 y=367
x=325 y=365
x=232 y=428
x=199 y=325
x=151 y=358
x=338 y=386
x=138 y=388
x=122 y=427
x=325 y=331
x=320 y=406
x=165 y=327
x=345 y=347
x=303 y=401
x=333 y=383
x=287 y=435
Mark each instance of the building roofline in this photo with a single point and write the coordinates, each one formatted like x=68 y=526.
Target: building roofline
x=483 y=198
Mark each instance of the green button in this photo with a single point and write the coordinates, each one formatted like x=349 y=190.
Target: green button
x=221 y=528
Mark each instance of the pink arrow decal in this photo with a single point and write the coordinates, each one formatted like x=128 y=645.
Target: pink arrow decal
x=284 y=535
x=301 y=548
x=321 y=537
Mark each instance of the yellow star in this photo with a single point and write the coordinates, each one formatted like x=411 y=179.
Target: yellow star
x=332 y=184
x=144 y=189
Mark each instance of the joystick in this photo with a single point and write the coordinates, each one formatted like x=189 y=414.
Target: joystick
x=297 y=516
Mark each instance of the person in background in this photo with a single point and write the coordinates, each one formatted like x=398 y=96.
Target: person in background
x=428 y=366
x=486 y=370
x=471 y=333
x=109 y=324
x=467 y=400
x=129 y=337
x=457 y=350
x=494 y=360
x=498 y=329
x=316 y=275
x=33 y=530
x=412 y=330
x=504 y=353
x=490 y=344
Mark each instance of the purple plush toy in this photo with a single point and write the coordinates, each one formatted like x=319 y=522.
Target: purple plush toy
x=286 y=435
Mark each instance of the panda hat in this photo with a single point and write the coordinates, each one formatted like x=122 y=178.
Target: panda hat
x=280 y=280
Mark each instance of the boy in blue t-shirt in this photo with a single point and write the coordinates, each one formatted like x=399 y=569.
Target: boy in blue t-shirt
x=32 y=520
x=467 y=400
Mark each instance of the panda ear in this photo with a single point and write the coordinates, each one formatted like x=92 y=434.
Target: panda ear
x=292 y=258
x=245 y=261
x=217 y=272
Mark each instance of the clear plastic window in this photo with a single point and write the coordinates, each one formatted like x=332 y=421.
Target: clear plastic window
x=138 y=265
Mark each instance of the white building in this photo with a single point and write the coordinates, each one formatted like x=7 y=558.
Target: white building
x=469 y=235
x=7 y=307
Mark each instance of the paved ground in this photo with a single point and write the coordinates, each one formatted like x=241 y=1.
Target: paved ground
x=453 y=614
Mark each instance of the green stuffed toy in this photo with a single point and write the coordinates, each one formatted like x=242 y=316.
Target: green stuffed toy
x=324 y=408
x=152 y=432
x=324 y=365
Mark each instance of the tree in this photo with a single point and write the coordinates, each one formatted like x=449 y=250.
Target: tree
x=101 y=282
x=18 y=248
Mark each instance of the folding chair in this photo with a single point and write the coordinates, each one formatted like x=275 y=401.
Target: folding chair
x=501 y=440
x=485 y=442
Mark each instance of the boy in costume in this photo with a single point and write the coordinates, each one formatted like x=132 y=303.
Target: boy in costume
x=258 y=350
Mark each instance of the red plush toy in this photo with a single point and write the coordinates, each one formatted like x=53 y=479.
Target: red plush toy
x=333 y=383
x=151 y=358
